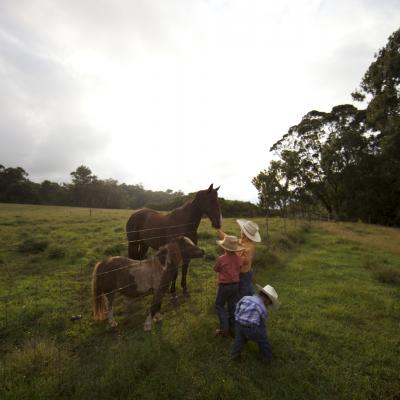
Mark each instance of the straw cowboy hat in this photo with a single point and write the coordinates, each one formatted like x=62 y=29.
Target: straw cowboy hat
x=230 y=243
x=272 y=295
x=250 y=229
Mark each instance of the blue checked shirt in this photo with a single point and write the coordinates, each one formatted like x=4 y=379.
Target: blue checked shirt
x=250 y=310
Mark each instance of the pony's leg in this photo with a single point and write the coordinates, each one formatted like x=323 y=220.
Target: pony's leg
x=155 y=309
x=185 y=267
x=148 y=323
x=110 y=315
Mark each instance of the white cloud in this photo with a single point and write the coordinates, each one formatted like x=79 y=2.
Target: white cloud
x=174 y=94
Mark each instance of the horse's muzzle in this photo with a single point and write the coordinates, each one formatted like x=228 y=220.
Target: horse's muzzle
x=216 y=224
x=201 y=253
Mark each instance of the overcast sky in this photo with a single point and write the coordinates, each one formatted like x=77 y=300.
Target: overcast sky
x=174 y=93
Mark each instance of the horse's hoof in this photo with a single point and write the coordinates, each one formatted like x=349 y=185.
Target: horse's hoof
x=186 y=294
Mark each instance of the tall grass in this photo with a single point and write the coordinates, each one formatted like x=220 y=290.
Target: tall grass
x=335 y=336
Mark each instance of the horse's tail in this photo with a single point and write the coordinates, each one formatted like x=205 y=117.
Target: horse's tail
x=97 y=298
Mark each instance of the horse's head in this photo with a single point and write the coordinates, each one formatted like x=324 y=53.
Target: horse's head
x=207 y=203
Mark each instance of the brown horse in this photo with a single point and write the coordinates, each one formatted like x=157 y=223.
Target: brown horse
x=148 y=228
x=134 y=278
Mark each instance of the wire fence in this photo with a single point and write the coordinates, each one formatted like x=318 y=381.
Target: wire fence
x=58 y=308
x=11 y=301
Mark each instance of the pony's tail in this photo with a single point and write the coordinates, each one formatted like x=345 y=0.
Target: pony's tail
x=97 y=298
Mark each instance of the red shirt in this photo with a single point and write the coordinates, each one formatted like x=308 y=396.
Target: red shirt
x=228 y=268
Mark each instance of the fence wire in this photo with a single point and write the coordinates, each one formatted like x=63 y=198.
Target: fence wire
x=33 y=310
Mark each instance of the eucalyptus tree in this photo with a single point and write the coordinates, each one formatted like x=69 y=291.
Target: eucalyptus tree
x=380 y=87
x=322 y=154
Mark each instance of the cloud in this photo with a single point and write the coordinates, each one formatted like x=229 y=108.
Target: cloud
x=41 y=125
x=174 y=94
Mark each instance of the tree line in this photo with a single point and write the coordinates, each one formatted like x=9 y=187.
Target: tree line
x=345 y=162
x=87 y=190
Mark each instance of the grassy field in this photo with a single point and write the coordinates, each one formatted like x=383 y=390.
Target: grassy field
x=336 y=335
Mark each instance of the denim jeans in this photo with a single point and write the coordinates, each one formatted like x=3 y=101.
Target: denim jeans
x=246 y=284
x=226 y=295
x=255 y=333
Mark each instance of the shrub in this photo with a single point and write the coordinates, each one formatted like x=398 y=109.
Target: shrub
x=33 y=245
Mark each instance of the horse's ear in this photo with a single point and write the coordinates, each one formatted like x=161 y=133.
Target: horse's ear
x=216 y=189
x=210 y=188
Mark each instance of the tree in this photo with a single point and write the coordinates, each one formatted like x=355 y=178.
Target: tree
x=381 y=87
x=321 y=153
x=324 y=160
x=82 y=176
x=15 y=187
x=52 y=193
x=273 y=187
x=82 y=188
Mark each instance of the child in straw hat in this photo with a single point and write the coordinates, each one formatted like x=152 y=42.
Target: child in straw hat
x=249 y=235
x=250 y=316
x=228 y=268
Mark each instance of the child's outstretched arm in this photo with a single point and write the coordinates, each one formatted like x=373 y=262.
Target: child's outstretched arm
x=220 y=234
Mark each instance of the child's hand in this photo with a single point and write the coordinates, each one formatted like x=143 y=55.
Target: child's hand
x=220 y=234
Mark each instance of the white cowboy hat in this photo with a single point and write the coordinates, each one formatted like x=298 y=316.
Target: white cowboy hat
x=230 y=243
x=250 y=229
x=272 y=295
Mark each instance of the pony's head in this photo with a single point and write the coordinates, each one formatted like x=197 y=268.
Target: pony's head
x=207 y=203
x=177 y=250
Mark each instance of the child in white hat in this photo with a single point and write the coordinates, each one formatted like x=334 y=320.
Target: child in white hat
x=250 y=317
x=228 y=268
x=248 y=237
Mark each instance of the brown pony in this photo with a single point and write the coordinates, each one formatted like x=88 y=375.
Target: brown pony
x=134 y=278
x=148 y=228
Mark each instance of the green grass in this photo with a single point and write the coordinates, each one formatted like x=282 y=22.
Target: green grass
x=335 y=336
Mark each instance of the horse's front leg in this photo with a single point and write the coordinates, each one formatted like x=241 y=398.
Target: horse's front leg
x=185 y=268
x=172 y=290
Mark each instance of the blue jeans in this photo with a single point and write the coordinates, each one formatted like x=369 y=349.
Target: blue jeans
x=255 y=333
x=226 y=295
x=246 y=284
